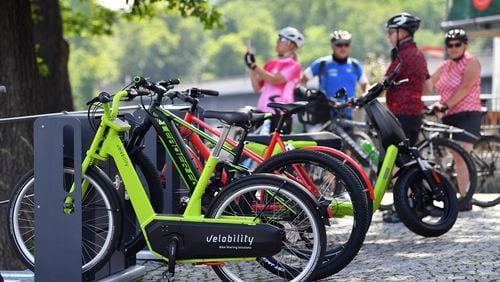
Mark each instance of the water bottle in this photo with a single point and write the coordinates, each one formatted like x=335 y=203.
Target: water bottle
x=266 y=127
x=370 y=151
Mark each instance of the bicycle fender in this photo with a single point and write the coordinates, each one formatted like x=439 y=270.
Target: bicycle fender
x=365 y=179
x=407 y=166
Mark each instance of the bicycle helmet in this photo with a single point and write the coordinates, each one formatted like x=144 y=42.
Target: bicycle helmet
x=293 y=35
x=404 y=21
x=456 y=34
x=340 y=36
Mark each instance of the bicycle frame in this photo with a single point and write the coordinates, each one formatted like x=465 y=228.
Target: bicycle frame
x=276 y=145
x=107 y=143
x=356 y=149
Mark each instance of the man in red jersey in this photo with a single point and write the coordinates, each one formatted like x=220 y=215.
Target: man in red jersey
x=405 y=100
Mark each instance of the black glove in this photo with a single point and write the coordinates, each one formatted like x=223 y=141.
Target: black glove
x=249 y=59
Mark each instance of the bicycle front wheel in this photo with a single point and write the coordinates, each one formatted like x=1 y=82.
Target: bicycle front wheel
x=279 y=202
x=342 y=196
x=486 y=154
x=444 y=154
x=100 y=219
x=426 y=210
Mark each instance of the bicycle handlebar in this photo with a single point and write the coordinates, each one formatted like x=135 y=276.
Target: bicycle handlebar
x=432 y=111
x=372 y=93
x=163 y=86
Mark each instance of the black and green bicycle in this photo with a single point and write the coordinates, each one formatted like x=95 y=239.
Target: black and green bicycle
x=258 y=220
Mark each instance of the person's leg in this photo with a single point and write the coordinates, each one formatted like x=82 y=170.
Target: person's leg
x=411 y=127
x=471 y=122
x=461 y=168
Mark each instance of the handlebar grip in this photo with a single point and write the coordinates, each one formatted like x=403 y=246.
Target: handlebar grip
x=197 y=92
x=169 y=82
x=104 y=97
x=209 y=92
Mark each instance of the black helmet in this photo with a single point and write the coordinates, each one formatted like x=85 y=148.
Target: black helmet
x=456 y=34
x=340 y=36
x=404 y=21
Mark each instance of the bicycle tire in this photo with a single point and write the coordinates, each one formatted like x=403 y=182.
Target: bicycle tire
x=414 y=201
x=355 y=171
x=303 y=229
x=486 y=154
x=445 y=163
x=132 y=241
x=104 y=188
x=337 y=255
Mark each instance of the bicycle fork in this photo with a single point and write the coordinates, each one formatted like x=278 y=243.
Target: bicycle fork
x=430 y=174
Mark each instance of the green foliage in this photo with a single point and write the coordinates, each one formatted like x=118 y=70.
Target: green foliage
x=84 y=18
x=43 y=68
x=166 y=39
x=201 y=9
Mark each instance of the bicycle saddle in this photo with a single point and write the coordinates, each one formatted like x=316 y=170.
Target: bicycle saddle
x=237 y=118
x=290 y=108
x=326 y=139
x=258 y=117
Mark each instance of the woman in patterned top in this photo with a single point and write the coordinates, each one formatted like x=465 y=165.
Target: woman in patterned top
x=458 y=82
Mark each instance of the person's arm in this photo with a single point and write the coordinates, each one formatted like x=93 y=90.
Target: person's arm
x=362 y=80
x=435 y=76
x=471 y=73
x=256 y=81
x=306 y=75
x=268 y=77
x=428 y=86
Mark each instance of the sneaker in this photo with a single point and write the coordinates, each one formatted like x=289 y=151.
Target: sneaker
x=390 y=216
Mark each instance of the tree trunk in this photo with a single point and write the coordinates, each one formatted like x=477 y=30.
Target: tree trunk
x=53 y=51
x=19 y=73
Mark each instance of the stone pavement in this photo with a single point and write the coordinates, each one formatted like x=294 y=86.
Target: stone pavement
x=470 y=251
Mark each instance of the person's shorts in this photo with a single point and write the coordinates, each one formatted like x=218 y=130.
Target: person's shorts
x=470 y=121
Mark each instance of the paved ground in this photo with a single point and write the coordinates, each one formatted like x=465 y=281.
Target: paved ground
x=470 y=251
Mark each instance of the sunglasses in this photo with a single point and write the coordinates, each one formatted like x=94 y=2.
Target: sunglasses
x=456 y=45
x=391 y=31
x=340 y=45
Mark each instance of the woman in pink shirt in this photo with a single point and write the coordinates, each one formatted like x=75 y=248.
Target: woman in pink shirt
x=279 y=76
x=458 y=82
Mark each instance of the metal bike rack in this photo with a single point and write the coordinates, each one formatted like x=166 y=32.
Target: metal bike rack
x=58 y=251
x=58 y=235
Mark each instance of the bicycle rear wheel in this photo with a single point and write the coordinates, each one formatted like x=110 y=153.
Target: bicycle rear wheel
x=486 y=154
x=23 y=199
x=100 y=219
x=442 y=153
x=341 y=196
x=282 y=203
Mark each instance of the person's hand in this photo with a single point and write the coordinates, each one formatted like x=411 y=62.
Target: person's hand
x=438 y=109
x=249 y=60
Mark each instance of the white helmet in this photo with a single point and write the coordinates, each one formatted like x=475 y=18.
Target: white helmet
x=293 y=35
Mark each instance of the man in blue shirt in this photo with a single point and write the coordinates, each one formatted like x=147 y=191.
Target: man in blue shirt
x=338 y=70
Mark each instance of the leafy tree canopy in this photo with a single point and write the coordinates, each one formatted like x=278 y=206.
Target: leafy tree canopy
x=158 y=41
